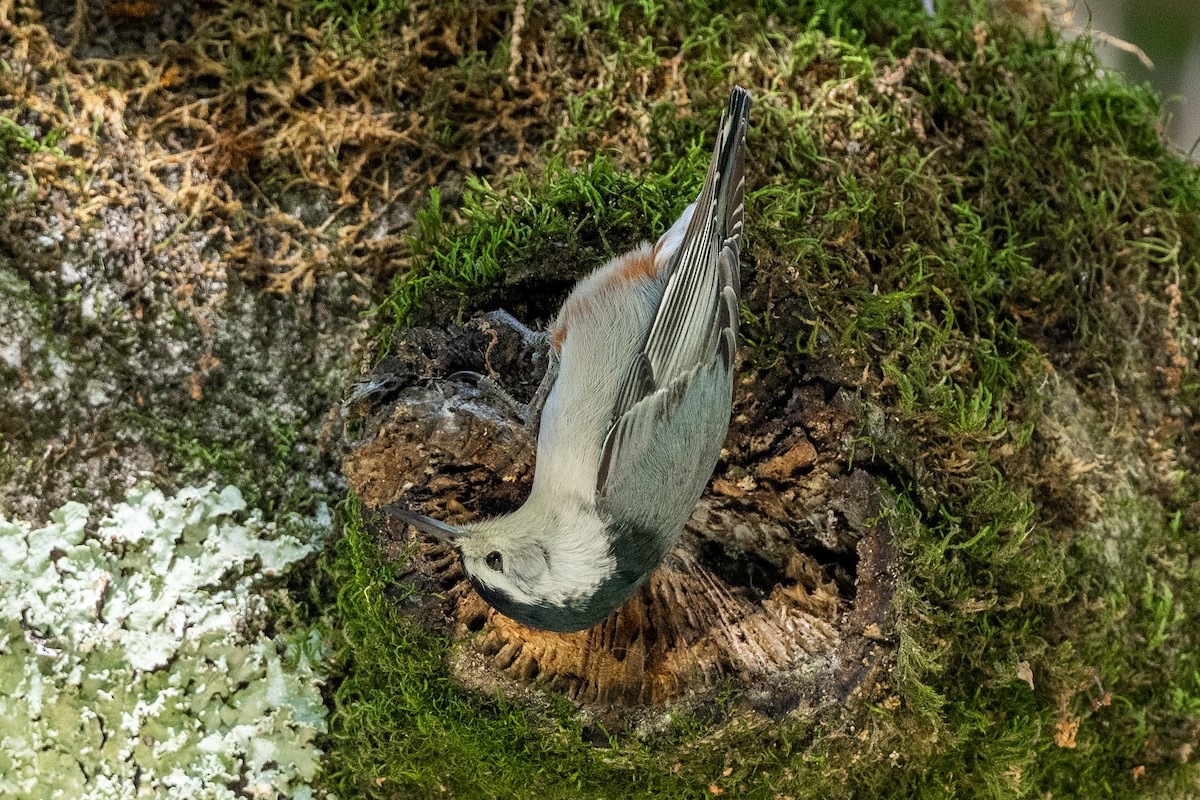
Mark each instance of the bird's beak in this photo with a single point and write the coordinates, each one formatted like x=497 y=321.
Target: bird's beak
x=426 y=525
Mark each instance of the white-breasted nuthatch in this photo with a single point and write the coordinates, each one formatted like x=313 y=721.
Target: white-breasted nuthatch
x=634 y=422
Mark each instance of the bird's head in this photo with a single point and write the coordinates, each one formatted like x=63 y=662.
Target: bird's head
x=528 y=568
x=509 y=565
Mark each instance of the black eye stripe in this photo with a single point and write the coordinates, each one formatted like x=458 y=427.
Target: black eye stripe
x=494 y=561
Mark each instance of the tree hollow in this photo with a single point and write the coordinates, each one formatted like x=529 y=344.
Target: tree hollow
x=779 y=592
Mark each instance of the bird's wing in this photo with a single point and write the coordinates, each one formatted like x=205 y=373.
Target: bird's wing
x=695 y=325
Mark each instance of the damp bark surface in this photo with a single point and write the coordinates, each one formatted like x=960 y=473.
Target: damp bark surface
x=779 y=589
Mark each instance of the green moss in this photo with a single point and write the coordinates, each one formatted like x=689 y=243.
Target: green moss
x=263 y=459
x=359 y=20
x=552 y=232
x=955 y=226
x=401 y=722
x=16 y=141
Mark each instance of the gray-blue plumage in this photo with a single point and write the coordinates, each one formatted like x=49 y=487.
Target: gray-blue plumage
x=634 y=423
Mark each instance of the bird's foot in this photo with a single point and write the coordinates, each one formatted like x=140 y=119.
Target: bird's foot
x=500 y=325
x=492 y=388
x=533 y=412
x=529 y=337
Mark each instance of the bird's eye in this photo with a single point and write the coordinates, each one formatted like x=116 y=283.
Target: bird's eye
x=495 y=560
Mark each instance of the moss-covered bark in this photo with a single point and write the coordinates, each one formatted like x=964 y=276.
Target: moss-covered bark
x=974 y=232
x=990 y=242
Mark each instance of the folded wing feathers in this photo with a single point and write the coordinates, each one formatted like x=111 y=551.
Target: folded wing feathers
x=697 y=318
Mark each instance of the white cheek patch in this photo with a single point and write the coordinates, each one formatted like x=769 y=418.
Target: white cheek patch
x=554 y=559
x=556 y=549
x=580 y=559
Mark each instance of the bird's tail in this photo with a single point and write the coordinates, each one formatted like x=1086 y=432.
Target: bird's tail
x=729 y=160
x=729 y=164
x=699 y=307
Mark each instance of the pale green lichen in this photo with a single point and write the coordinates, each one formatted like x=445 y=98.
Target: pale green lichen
x=132 y=657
